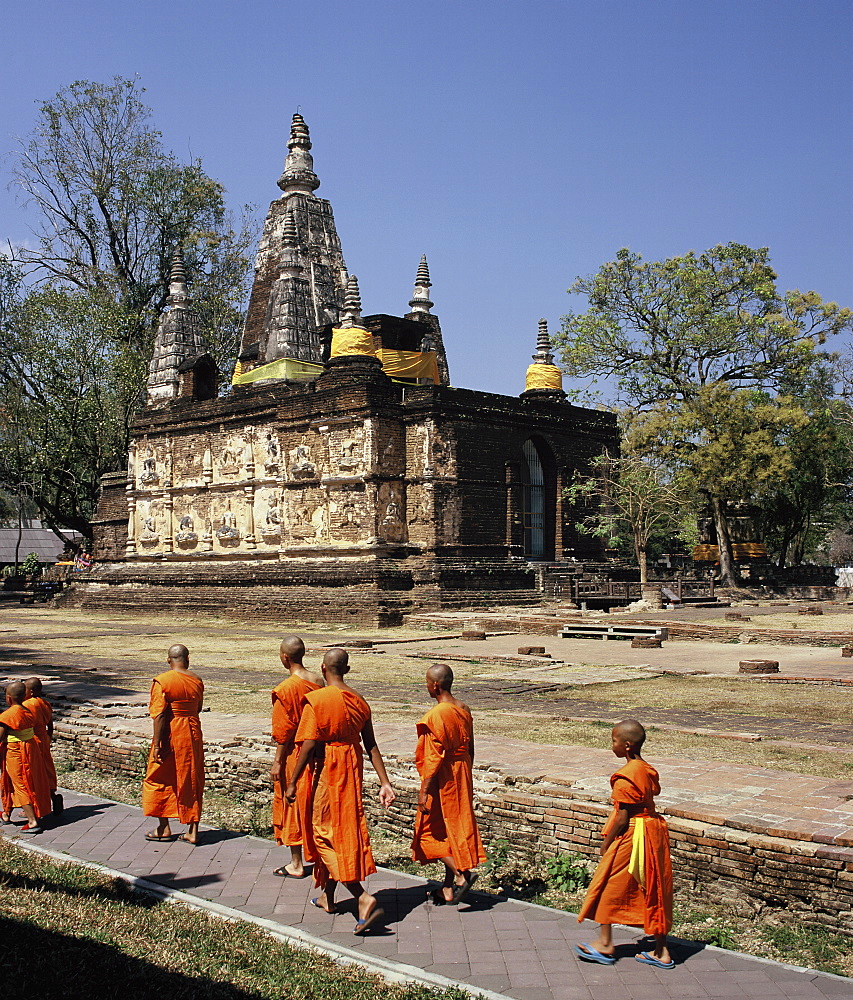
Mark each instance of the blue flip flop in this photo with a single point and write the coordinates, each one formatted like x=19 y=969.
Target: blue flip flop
x=588 y=954
x=362 y=925
x=648 y=959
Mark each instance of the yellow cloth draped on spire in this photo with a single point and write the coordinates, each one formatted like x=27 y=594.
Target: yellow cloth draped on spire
x=409 y=364
x=352 y=340
x=544 y=377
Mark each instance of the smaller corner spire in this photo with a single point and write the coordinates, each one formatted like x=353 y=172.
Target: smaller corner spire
x=420 y=301
x=544 y=379
x=543 y=355
x=178 y=294
x=299 y=176
x=351 y=315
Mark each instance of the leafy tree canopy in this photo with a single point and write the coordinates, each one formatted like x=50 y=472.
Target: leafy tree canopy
x=68 y=390
x=114 y=205
x=667 y=329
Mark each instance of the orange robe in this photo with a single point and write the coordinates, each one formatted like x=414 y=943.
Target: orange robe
x=445 y=744
x=175 y=786
x=43 y=715
x=25 y=779
x=337 y=836
x=289 y=821
x=615 y=895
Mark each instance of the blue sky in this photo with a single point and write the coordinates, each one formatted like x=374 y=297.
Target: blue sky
x=517 y=144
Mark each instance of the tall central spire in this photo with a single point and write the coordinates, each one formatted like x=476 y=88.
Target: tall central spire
x=299 y=176
x=300 y=278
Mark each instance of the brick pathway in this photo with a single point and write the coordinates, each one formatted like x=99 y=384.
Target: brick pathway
x=505 y=946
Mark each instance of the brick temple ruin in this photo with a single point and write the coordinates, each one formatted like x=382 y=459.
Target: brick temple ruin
x=342 y=478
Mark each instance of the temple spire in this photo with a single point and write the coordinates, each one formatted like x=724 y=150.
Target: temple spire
x=178 y=340
x=299 y=176
x=178 y=294
x=420 y=301
x=544 y=378
x=543 y=355
x=351 y=315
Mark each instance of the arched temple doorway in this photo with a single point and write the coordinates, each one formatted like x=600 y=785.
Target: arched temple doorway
x=539 y=474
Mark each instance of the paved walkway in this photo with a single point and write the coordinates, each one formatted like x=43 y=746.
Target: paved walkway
x=505 y=947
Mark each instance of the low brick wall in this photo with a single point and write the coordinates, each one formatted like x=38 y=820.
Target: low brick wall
x=744 y=870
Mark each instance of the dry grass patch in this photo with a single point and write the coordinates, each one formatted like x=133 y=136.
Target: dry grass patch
x=96 y=936
x=802 y=702
x=827 y=622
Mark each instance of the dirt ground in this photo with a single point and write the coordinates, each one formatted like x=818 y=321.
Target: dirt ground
x=688 y=691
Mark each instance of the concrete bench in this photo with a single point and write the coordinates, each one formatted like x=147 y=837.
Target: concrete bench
x=583 y=630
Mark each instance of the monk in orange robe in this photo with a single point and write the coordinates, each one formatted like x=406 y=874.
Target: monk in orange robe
x=633 y=882
x=335 y=721
x=445 y=827
x=25 y=783
x=43 y=714
x=288 y=700
x=174 y=779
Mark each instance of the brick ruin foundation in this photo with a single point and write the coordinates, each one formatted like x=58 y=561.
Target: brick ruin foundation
x=745 y=870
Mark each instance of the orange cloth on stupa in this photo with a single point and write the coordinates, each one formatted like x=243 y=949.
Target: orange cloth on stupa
x=43 y=715
x=449 y=829
x=338 y=836
x=175 y=786
x=289 y=821
x=615 y=896
x=25 y=778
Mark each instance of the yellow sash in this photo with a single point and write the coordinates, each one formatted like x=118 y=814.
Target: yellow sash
x=21 y=736
x=637 y=864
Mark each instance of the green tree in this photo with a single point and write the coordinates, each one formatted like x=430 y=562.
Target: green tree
x=636 y=493
x=679 y=339
x=114 y=205
x=68 y=390
x=801 y=510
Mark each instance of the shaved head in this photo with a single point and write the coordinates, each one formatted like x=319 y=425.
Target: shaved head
x=336 y=661
x=33 y=686
x=292 y=647
x=179 y=652
x=631 y=730
x=16 y=692
x=441 y=674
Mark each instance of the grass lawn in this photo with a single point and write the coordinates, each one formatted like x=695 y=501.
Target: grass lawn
x=69 y=931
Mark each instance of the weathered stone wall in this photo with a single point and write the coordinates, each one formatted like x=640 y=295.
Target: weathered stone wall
x=739 y=868
x=390 y=498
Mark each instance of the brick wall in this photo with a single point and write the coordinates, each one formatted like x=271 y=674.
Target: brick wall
x=745 y=871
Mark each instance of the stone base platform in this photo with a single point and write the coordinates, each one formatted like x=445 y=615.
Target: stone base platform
x=376 y=590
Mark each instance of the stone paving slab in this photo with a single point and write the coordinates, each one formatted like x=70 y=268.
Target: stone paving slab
x=511 y=948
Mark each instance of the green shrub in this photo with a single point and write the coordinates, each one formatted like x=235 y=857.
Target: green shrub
x=568 y=872
x=31 y=564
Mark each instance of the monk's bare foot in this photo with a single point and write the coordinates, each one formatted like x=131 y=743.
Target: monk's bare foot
x=322 y=902
x=189 y=839
x=163 y=832
x=447 y=893
x=286 y=872
x=662 y=955
x=602 y=947
x=369 y=912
